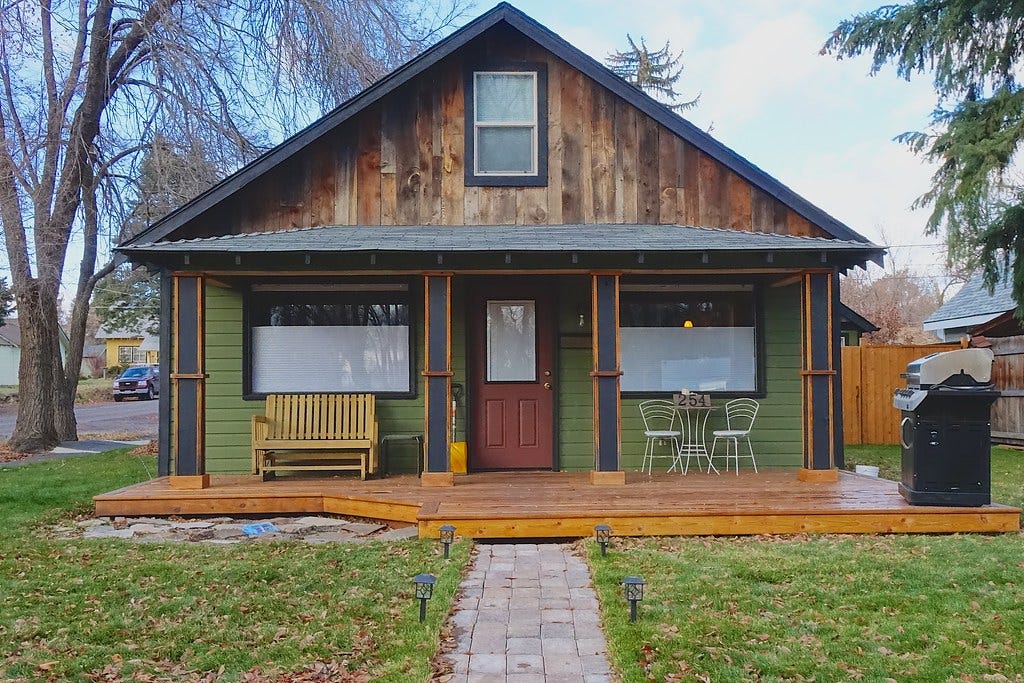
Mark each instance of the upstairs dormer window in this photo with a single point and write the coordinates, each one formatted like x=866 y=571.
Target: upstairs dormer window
x=506 y=127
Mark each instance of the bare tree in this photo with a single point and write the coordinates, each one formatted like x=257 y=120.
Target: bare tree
x=86 y=85
x=898 y=301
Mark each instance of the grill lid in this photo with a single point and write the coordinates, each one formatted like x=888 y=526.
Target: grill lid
x=962 y=367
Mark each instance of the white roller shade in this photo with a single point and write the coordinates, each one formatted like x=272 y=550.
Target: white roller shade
x=330 y=359
x=700 y=359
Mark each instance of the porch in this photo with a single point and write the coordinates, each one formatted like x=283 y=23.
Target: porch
x=565 y=504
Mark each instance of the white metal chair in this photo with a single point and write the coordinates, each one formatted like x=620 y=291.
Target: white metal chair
x=740 y=414
x=659 y=416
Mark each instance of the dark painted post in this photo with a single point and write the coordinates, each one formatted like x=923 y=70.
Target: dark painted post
x=188 y=383
x=438 y=378
x=819 y=377
x=606 y=374
x=163 y=460
x=839 y=455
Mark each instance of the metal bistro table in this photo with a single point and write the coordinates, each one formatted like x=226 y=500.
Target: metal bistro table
x=694 y=411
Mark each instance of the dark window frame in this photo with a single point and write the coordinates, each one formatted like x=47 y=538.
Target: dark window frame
x=541 y=178
x=407 y=297
x=760 y=371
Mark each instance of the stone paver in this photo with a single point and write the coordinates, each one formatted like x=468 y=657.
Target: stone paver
x=527 y=613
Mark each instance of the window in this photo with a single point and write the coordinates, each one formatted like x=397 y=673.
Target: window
x=342 y=338
x=511 y=341
x=126 y=355
x=702 y=338
x=506 y=127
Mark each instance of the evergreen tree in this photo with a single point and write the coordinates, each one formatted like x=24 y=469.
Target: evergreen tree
x=972 y=49
x=6 y=301
x=656 y=73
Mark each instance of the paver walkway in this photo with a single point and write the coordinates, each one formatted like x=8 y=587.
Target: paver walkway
x=528 y=613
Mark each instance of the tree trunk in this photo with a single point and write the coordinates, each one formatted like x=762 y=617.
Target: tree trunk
x=34 y=429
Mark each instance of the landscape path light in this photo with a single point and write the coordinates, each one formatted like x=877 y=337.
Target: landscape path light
x=447 y=537
x=603 y=533
x=634 y=589
x=424 y=589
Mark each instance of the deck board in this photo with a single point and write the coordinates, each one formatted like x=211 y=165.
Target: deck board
x=559 y=504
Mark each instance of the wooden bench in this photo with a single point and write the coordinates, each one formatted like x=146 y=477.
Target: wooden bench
x=315 y=432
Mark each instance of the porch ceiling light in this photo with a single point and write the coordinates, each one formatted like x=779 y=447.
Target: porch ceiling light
x=424 y=591
x=634 y=589
x=447 y=538
x=603 y=534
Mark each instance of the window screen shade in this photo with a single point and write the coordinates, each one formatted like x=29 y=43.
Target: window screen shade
x=698 y=340
x=330 y=359
x=505 y=98
x=337 y=342
x=700 y=359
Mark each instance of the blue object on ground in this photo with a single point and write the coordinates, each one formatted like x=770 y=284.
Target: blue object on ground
x=260 y=528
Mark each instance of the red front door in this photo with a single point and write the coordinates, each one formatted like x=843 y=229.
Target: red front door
x=512 y=345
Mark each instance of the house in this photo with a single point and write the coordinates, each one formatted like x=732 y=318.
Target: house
x=987 y=319
x=10 y=350
x=853 y=325
x=129 y=347
x=975 y=308
x=505 y=214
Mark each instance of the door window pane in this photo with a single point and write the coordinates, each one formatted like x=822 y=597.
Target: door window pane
x=511 y=341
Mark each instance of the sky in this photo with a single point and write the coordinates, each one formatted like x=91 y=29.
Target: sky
x=823 y=127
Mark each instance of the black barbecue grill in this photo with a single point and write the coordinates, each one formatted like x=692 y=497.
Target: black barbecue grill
x=946 y=430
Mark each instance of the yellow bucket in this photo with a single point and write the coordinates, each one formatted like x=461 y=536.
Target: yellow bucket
x=457 y=454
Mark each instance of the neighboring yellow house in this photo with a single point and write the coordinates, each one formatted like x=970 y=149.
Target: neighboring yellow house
x=126 y=348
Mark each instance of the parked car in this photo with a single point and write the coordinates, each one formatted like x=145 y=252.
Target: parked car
x=142 y=381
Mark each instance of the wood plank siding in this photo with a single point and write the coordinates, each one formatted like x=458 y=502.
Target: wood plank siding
x=401 y=162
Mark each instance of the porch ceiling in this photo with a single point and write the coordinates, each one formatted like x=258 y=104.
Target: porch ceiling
x=593 y=238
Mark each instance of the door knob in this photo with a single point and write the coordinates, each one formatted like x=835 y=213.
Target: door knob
x=547 y=385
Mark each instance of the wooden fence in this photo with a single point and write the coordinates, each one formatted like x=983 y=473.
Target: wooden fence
x=870 y=376
x=1008 y=376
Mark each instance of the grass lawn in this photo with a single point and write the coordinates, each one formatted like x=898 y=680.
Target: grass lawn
x=1007 y=469
x=825 y=608
x=90 y=390
x=103 y=610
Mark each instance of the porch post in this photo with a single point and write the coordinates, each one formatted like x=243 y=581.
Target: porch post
x=839 y=458
x=437 y=372
x=606 y=373
x=188 y=383
x=818 y=377
x=163 y=460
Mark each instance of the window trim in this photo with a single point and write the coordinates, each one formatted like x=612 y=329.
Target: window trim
x=539 y=179
x=662 y=292
x=361 y=290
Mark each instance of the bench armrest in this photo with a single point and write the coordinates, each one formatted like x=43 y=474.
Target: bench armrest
x=260 y=430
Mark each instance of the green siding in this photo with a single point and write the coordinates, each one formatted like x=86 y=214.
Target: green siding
x=228 y=416
x=776 y=436
x=777 y=440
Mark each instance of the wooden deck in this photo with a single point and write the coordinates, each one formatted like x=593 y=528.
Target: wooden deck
x=557 y=504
